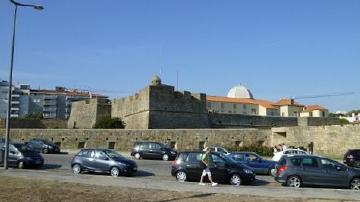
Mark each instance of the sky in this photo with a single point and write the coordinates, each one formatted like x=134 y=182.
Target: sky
x=277 y=49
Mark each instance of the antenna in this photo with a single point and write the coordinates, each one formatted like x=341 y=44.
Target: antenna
x=177 y=79
x=322 y=95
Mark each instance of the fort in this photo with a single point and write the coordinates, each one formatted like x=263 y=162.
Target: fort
x=159 y=106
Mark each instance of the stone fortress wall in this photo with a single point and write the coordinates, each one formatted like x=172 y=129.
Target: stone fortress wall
x=332 y=141
x=86 y=113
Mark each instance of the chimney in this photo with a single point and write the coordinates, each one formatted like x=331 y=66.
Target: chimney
x=292 y=101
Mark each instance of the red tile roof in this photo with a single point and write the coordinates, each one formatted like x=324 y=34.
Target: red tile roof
x=310 y=108
x=288 y=102
x=264 y=103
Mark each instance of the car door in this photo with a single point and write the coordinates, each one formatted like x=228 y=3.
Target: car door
x=218 y=168
x=156 y=151
x=192 y=165
x=89 y=162
x=312 y=172
x=335 y=174
x=254 y=162
x=102 y=162
x=145 y=150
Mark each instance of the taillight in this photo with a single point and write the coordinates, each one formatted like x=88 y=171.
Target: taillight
x=281 y=169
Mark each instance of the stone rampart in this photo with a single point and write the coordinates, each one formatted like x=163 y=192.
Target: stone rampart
x=332 y=141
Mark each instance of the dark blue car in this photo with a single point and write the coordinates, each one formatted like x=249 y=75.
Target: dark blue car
x=254 y=161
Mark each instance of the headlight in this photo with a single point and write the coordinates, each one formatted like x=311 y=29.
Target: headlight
x=28 y=158
x=50 y=147
x=172 y=152
x=247 y=171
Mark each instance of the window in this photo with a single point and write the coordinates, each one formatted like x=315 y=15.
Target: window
x=100 y=155
x=84 y=153
x=244 y=106
x=222 y=106
x=296 y=161
x=209 y=105
x=310 y=162
x=193 y=157
x=253 y=111
x=144 y=146
x=251 y=157
x=323 y=114
x=216 y=159
x=234 y=106
x=238 y=157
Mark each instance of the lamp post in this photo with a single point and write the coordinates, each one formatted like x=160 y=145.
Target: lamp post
x=8 y=115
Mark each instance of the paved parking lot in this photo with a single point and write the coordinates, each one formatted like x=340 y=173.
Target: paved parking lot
x=155 y=174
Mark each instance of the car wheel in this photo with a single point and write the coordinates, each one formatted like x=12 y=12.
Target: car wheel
x=165 y=157
x=235 y=179
x=355 y=184
x=137 y=156
x=21 y=165
x=181 y=176
x=293 y=181
x=76 y=168
x=45 y=151
x=114 y=171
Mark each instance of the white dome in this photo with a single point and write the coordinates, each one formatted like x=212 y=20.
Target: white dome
x=240 y=91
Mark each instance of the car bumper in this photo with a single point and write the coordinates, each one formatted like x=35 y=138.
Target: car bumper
x=248 y=178
x=280 y=179
x=34 y=162
x=129 y=170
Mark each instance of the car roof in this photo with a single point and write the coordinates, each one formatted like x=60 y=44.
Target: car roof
x=244 y=152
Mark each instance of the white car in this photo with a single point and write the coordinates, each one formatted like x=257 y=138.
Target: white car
x=278 y=155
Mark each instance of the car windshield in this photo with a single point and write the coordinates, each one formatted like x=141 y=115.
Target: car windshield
x=114 y=154
x=226 y=158
x=22 y=147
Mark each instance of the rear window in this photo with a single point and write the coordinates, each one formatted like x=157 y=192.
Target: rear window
x=282 y=162
x=181 y=156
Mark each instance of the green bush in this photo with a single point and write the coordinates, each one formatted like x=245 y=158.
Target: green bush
x=344 y=121
x=261 y=150
x=34 y=115
x=110 y=123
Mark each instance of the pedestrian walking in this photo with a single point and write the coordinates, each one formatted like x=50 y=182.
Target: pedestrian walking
x=204 y=163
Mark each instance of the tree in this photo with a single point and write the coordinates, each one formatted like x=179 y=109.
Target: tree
x=110 y=123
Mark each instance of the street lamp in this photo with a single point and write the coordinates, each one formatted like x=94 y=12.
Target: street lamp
x=7 y=139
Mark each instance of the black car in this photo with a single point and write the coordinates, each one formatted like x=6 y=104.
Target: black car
x=187 y=167
x=352 y=158
x=254 y=161
x=43 y=146
x=153 y=150
x=103 y=161
x=296 y=171
x=21 y=156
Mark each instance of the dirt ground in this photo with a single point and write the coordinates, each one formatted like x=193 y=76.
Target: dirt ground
x=24 y=190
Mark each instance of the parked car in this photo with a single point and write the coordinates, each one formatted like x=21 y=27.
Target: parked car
x=43 y=146
x=187 y=167
x=296 y=171
x=254 y=161
x=153 y=150
x=352 y=158
x=218 y=149
x=21 y=156
x=290 y=152
x=102 y=161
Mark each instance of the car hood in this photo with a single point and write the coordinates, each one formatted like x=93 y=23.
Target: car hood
x=125 y=161
x=241 y=166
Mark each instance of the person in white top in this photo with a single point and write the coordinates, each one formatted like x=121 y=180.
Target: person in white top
x=284 y=147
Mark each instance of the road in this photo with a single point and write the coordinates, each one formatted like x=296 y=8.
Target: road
x=155 y=174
